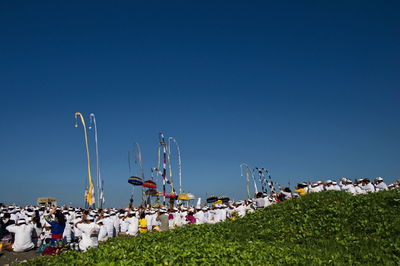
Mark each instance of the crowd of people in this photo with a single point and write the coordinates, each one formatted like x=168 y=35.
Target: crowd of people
x=52 y=229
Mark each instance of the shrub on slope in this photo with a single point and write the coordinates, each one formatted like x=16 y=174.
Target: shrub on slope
x=321 y=228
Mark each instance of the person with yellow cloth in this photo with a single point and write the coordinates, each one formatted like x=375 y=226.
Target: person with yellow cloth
x=300 y=189
x=142 y=223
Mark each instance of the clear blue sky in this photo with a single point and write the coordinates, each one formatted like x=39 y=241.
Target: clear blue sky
x=308 y=89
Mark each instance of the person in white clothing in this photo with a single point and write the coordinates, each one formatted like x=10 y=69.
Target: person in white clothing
x=90 y=233
x=347 y=186
x=199 y=215
x=133 y=224
x=367 y=186
x=329 y=185
x=241 y=209
x=23 y=235
x=357 y=187
x=109 y=224
x=335 y=186
x=315 y=188
x=102 y=231
x=380 y=185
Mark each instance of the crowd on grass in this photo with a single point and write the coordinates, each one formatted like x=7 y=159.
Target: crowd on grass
x=52 y=229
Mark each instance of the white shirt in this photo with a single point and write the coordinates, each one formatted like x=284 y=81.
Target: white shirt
x=90 y=234
x=109 y=224
x=381 y=186
x=133 y=226
x=241 y=210
x=199 y=215
x=368 y=187
x=102 y=233
x=315 y=189
x=359 y=190
x=329 y=187
x=124 y=225
x=349 y=188
x=23 y=237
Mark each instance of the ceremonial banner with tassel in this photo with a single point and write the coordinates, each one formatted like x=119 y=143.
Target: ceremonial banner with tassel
x=90 y=192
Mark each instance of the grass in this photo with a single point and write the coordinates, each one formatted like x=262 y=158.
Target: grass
x=322 y=228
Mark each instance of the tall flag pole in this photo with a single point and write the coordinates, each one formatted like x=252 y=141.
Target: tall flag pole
x=100 y=194
x=90 y=192
x=254 y=181
x=139 y=157
x=164 y=171
x=179 y=160
x=247 y=177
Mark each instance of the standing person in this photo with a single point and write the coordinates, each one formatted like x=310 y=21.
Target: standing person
x=90 y=232
x=23 y=235
x=57 y=227
x=162 y=218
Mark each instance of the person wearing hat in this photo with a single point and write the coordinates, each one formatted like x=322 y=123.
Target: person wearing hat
x=357 y=187
x=315 y=188
x=329 y=185
x=133 y=224
x=102 y=231
x=301 y=189
x=90 y=232
x=162 y=219
x=109 y=224
x=347 y=186
x=23 y=235
x=367 y=186
x=335 y=186
x=77 y=234
x=199 y=215
x=240 y=209
x=123 y=223
x=380 y=185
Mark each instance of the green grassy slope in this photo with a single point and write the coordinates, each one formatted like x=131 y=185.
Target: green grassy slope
x=322 y=228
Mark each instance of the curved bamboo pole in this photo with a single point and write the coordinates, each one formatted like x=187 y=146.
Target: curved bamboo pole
x=179 y=160
x=90 y=193
x=100 y=193
x=247 y=177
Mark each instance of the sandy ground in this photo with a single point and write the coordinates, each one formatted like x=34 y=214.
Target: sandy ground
x=9 y=258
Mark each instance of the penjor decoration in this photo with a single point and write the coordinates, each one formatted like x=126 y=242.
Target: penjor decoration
x=164 y=147
x=89 y=193
x=262 y=179
x=270 y=183
x=247 y=177
x=179 y=160
x=248 y=174
x=136 y=180
x=100 y=191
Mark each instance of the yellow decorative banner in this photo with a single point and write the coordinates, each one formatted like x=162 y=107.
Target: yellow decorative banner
x=90 y=191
